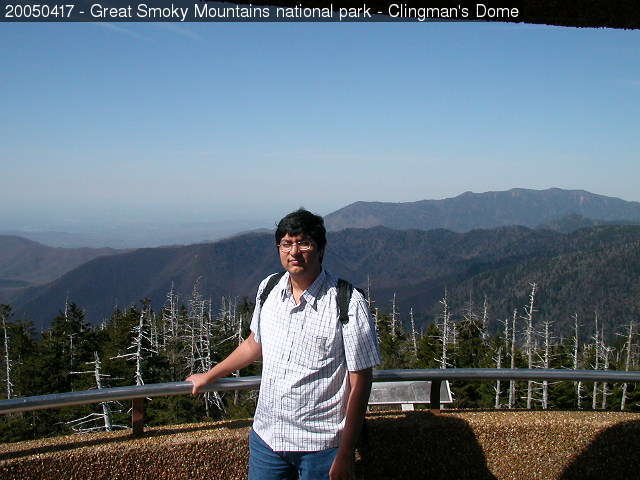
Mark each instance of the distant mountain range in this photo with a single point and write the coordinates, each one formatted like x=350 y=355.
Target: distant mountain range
x=469 y=210
x=581 y=261
x=554 y=208
x=134 y=234
x=587 y=270
x=24 y=262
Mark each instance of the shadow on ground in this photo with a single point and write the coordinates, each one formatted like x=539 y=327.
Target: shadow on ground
x=608 y=455
x=415 y=445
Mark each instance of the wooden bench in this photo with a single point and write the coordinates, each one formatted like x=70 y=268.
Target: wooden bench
x=409 y=393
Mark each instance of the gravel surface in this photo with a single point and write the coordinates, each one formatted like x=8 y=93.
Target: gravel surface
x=403 y=445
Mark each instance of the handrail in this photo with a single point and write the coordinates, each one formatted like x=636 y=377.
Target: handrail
x=130 y=392
x=554 y=374
x=57 y=400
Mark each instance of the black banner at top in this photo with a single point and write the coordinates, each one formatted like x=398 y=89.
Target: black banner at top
x=596 y=13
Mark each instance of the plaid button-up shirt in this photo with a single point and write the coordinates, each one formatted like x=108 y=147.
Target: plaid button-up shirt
x=306 y=355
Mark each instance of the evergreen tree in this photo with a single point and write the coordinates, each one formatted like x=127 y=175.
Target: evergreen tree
x=472 y=352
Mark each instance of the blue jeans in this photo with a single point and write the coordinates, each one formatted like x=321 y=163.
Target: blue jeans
x=265 y=464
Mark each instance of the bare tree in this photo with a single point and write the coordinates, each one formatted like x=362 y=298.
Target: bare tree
x=576 y=340
x=141 y=344
x=202 y=324
x=170 y=338
x=596 y=340
x=506 y=335
x=5 y=311
x=529 y=339
x=627 y=363
x=413 y=334
x=78 y=425
x=154 y=332
x=170 y=317
x=376 y=320
x=498 y=360
x=445 y=330
x=499 y=356
x=512 y=383
x=606 y=354
x=369 y=301
x=485 y=320
x=546 y=363
x=394 y=314
x=192 y=327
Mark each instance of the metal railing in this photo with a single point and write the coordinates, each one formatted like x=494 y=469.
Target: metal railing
x=137 y=393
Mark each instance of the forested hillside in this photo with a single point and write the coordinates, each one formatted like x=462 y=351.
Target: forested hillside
x=589 y=270
x=597 y=273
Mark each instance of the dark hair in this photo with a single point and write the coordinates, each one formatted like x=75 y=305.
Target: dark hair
x=303 y=222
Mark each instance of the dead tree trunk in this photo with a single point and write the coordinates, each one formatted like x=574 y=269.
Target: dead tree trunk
x=529 y=341
x=82 y=425
x=578 y=384
x=546 y=361
x=626 y=366
x=444 y=334
x=512 y=383
x=606 y=352
x=485 y=320
x=5 y=310
x=139 y=347
x=141 y=338
x=498 y=365
x=376 y=321
x=106 y=411
x=596 y=338
x=393 y=317
x=413 y=334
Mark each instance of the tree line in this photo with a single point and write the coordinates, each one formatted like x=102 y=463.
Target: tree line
x=190 y=334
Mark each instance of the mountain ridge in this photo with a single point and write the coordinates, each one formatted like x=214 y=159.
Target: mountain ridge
x=469 y=210
x=26 y=261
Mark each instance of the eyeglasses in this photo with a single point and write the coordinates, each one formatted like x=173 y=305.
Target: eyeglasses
x=303 y=245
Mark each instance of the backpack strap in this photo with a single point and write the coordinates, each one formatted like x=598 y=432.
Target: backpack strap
x=272 y=282
x=345 y=290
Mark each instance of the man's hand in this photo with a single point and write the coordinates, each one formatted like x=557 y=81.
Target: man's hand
x=199 y=380
x=245 y=353
x=342 y=467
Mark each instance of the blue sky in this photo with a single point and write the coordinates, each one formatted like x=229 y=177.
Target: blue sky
x=218 y=120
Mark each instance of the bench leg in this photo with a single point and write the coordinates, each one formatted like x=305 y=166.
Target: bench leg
x=137 y=416
x=435 y=396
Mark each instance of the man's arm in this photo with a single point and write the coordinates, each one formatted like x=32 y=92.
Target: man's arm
x=247 y=352
x=360 y=388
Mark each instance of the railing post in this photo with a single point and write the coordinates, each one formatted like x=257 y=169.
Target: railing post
x=137 y=416
x=434 y=397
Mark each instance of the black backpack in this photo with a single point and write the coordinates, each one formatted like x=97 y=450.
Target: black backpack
x=345 y=290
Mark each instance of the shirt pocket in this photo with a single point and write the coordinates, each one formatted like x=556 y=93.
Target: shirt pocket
x=312 y=350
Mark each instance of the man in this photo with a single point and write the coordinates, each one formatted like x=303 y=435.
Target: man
x=316 y=374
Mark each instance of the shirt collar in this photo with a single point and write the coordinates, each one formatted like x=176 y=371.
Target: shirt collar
x=310 y=295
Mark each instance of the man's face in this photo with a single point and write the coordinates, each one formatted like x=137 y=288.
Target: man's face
x=299 y=263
